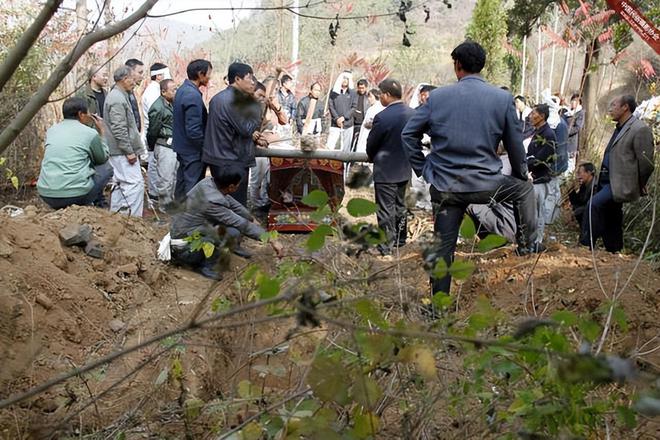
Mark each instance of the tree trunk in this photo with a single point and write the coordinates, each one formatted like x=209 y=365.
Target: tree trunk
x=588 y=88
x=564 y=73
x=293 y=153
x=16 y=55
x=524 y=66
x=40 y=97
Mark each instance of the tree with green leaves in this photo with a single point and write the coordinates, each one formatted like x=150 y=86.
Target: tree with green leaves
x=488 y=27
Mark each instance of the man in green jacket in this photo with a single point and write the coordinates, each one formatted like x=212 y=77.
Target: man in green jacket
x=72 y=170
x=94 y=92
x=159 y=138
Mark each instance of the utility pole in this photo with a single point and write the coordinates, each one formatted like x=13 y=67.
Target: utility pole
x=295 y=33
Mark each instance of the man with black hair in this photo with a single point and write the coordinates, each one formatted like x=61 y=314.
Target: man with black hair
x=190 y=117
x=466 y=122
x=541 y=157
x=71 y=170
x=137 y=71
x=391 y=168
x=581 y=194
x=233 y=128
x=309 y=113
x=159 y=138
x=94 y=92
x=361 y=107
x=522 y=113
x=125 y=146
x=424 y=93
x=158 y=72
x=287 y=97
x=626 y=168
x=212 y=215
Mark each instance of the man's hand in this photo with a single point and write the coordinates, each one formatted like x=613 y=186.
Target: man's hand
x=278 y=248
x=340 y=122
x=98 y=122
x=132 y=158
x=256 y=136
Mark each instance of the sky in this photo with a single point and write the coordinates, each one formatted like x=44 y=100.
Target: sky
x=219 y=19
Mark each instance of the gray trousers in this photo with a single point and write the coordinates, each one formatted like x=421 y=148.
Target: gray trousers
x=258 y=185
x=165 y=167
x=152 y=177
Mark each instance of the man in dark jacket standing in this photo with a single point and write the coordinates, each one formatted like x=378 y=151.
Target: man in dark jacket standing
x=626 y=168
x=94 y=92
x=137 y=72
x=391 y=168
x=190 y=116
x=233 y=128
x=541 y=157
x=159 y=138
x=310 y=112
x=466 y=122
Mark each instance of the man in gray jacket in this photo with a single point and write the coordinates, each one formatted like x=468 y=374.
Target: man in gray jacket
x=211 y=215
x=125 y=146
x=466 y=121
x=626 y=168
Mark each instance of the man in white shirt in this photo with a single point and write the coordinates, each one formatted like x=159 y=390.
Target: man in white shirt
x=157 y=72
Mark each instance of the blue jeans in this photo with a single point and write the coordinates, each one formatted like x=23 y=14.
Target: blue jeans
x=93 y=197
x=603 y=219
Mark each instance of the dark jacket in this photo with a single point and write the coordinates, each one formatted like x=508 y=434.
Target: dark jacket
x=288 y=102
x=631 y=160
x=541 y=154
x=189 y=120
x=206 y=208
x=161 y=122
x=466 y=122
x=561 y=162
x=93 y=104
x=575 y=124
x=233 y=118
x=136 y=110
x=301 y=112
x=580 y=198
x=342 y=104
x=384 y=146
x=358 y=117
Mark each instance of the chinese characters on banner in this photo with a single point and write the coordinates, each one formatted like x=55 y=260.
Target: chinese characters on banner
x=640 y=24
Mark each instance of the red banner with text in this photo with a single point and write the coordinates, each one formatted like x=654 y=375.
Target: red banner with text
x=640 y=24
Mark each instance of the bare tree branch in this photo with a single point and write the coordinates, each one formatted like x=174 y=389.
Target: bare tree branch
x=22 y=47
x=40 y=97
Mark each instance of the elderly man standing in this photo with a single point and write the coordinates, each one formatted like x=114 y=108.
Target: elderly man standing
x=466 y=122
x=125 y=146
x=626 y=168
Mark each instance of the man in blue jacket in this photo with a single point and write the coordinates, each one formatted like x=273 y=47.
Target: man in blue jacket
x=189 y=125
x=466 y=121
x=391 y=167
x=233 y=128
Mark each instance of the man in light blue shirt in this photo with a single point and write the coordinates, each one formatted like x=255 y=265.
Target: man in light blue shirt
x=73 y=170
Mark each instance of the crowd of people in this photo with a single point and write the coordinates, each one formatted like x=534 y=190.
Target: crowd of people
x=467 y=147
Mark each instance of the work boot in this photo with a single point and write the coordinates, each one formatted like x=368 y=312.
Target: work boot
x=241 y=252
x=536 y=248
x=210 y=273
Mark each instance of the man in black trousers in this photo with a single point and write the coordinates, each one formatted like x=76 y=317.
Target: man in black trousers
x=391 y=166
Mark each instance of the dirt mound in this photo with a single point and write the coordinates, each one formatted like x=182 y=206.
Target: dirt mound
x=60 y=308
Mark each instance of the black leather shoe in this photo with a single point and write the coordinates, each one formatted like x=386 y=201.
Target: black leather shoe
x=210 y=273
x=536 y=248
x=241 y=252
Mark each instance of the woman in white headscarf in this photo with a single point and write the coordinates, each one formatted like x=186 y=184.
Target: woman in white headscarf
x=342 y=102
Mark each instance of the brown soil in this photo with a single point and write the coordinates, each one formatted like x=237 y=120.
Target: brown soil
x=59 y=309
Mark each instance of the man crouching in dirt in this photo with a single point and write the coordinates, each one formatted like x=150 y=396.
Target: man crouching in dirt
x=211 y=215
